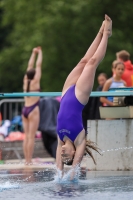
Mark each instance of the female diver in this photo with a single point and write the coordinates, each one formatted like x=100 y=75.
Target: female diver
x=72 y=143
x=30 y=112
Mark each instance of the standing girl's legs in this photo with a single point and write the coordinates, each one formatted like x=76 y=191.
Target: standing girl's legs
x=76 y=72
x=25 y=142
x=30 y=127
x=85 y=82
x=34 y=118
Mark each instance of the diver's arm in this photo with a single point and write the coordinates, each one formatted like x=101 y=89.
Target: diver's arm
x=80 y=149
x=59 y=163
x=32 y=59
x=39 y=64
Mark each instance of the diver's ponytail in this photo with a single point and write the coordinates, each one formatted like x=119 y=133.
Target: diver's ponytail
x=28 y=86
x=30 y=76
x=91 y=145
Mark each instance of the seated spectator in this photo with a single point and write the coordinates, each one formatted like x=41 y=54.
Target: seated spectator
x=114 y=82
x=124 y=56
x=102 y=77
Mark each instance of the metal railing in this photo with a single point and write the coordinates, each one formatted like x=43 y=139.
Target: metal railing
x=11 y=107
x=14 y=104
x=129 y=92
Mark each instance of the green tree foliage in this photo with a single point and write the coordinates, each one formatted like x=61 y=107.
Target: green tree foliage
x=64 y=29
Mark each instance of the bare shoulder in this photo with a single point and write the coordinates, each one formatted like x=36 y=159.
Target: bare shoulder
x=107 y=84
x=125 y=84
x=109 y=81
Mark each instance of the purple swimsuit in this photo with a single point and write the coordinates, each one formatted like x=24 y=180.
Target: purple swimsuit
x=26 y=110
x=69 y=119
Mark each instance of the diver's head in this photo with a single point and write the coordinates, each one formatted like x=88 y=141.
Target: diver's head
x=68 y=152
x=102 y=77
x=31 y=73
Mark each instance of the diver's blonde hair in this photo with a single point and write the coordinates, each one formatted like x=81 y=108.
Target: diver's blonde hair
x=91 y=145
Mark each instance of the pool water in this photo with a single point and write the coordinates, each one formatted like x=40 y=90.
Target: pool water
x=41 y=185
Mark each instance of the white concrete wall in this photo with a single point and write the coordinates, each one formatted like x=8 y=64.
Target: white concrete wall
x=111 y=135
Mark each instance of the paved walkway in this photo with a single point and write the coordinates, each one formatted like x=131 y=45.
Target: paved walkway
x=38 y=163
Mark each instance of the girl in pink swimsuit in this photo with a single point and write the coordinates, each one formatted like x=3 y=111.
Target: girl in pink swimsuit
x=76 y=91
